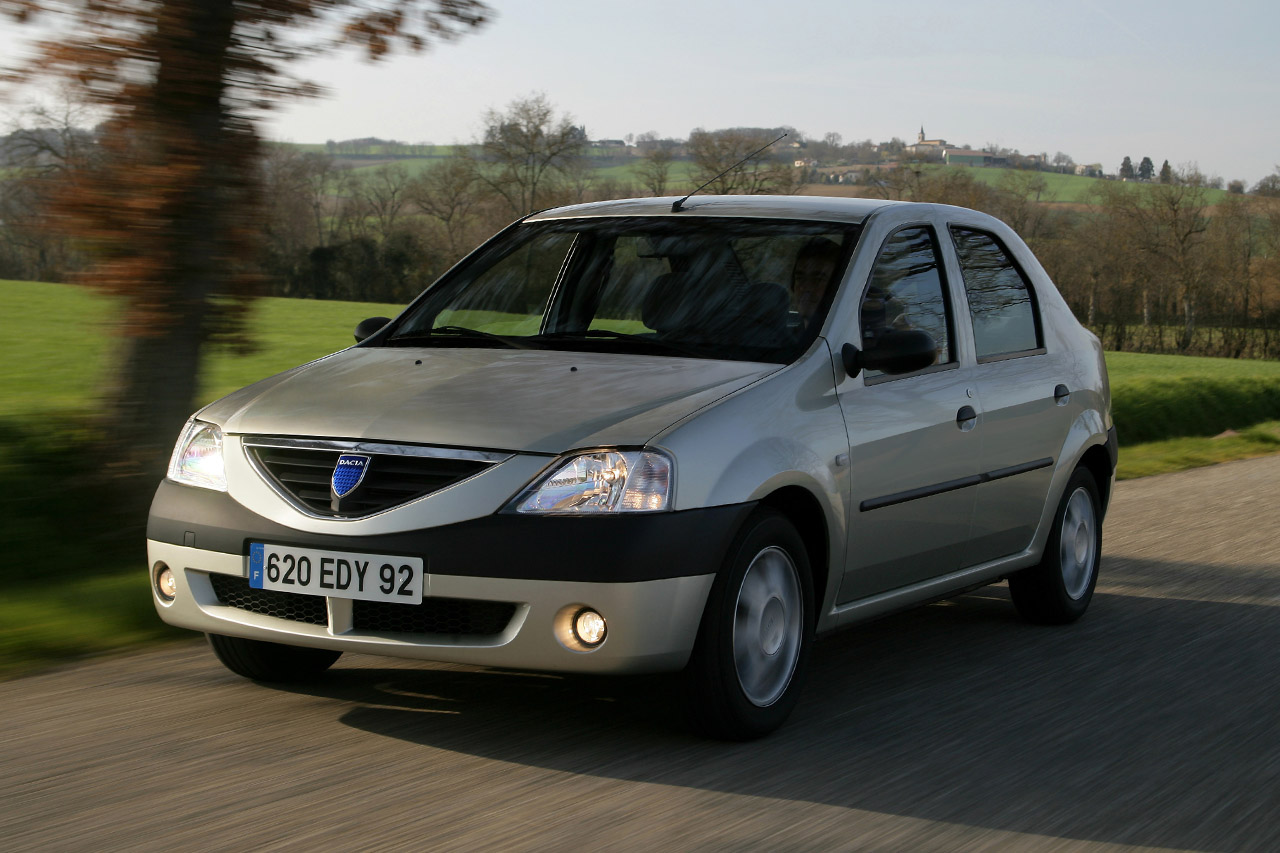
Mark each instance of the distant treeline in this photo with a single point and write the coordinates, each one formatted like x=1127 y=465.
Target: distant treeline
x=1165 y=266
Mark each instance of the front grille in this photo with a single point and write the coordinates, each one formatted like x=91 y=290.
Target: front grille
x=459 y=616
x=389 y=481
x=235 y=592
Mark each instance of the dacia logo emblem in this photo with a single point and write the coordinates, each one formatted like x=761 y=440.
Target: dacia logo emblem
x=348 y=474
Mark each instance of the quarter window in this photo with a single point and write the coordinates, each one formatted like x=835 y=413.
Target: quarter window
x=509 y=298
x=1001 y=303
x=907 y=292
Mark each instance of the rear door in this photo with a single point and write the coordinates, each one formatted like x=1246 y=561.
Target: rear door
x=1023 y=389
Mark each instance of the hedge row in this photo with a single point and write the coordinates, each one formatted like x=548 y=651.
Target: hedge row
x=1150 y=409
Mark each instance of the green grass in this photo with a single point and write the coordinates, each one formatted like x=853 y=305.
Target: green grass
x=290 y=332
x=74 y=573
x=1072 y=189
x=1179 y=454
x=57 y=366
x=413 y=166
x=44 y=623
x=1058 y=187
x=1157 y=397
x=625 y=173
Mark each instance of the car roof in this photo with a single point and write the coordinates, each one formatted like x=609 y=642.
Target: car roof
x=821 y=208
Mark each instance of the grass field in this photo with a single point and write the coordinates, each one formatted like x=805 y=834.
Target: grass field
x=59 y=369
x=1060 y=188
x=624 y=173
x=74 y=584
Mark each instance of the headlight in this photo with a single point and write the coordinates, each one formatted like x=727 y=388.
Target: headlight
x=603 y=481
x=197 y=457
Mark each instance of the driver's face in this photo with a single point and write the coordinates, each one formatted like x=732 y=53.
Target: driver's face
x=808 y=280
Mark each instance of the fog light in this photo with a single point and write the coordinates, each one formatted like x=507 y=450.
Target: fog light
x=166 y=583
x=588 y=627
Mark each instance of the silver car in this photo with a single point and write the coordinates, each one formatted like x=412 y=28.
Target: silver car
x=633 y=436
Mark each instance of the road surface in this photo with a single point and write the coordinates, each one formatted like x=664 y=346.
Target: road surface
x=1152 y=723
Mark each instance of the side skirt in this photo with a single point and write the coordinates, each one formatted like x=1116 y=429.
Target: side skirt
x=934 y=589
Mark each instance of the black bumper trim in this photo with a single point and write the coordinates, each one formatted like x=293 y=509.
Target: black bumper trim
x=612 y=549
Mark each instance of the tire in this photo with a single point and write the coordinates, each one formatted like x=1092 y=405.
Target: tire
x=262 y=661
x=757 y=629
x=1058 y=590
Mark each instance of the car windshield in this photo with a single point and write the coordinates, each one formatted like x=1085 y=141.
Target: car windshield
x=702 y=287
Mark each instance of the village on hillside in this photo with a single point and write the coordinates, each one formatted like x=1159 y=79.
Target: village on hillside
x=826 y=160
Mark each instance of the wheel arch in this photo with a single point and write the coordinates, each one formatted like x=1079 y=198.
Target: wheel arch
x=1097 y=460
x=804 y=511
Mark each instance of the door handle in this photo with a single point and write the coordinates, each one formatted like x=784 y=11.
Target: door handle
x=966 y=418
x=1061 y=395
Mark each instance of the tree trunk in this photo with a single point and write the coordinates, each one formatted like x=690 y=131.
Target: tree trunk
x=1188 y=324
x=182 y=123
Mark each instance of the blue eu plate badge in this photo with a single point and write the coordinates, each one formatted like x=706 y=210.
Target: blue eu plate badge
x=255 y=565
x=348 y=473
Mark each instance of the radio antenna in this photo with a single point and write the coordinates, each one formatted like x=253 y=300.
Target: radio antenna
x=676 y=208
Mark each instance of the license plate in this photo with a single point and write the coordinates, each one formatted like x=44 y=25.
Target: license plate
x=338 y=574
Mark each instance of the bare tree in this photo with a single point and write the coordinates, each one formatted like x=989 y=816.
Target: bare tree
x=54 y=136
x=381 y=194
x=287 y=227
x=716 y=152
x=1268 y=186
x=449 y=192
x=654 y=169
x=526 y=152
x=50 y=148
x=1167 y=225
x=1022 y=203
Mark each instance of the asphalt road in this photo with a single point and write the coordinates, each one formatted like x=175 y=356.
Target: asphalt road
x=1153 y=722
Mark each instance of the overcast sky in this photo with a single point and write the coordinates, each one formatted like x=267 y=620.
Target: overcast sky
x=1187 y=82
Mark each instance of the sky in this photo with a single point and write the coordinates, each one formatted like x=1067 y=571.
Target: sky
x=1191 y=83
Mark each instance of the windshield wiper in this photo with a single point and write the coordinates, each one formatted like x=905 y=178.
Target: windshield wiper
x=453 y=333
x=609 y=334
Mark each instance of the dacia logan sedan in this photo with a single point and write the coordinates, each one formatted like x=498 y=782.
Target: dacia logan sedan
x=637 y=436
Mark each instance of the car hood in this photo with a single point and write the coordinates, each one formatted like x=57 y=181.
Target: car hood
x=533 y=401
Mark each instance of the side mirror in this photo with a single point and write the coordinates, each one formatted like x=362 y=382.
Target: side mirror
x=370 y=326
x=895 y=351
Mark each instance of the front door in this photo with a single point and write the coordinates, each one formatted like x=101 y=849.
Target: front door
x=913 y=449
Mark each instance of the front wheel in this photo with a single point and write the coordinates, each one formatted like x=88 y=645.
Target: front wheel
x=753 y=644
x=263 y=661
x=1059 y=589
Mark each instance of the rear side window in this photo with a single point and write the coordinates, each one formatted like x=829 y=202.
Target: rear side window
x=1001 y=303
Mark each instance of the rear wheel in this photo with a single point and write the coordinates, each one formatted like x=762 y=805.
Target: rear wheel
x=263 y=661
x=1059 y=589
x=753 y=644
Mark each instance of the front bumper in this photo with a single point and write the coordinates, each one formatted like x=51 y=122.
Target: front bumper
x=649 y=576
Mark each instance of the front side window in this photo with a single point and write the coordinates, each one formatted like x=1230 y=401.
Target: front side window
x=1000 y=302
x=907 y=292
x=742 y=289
